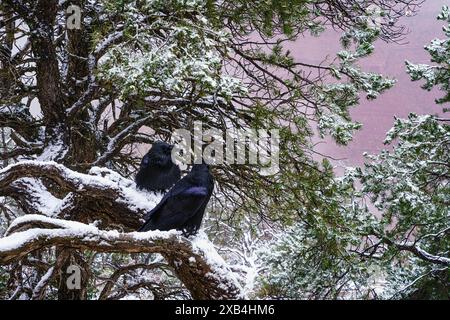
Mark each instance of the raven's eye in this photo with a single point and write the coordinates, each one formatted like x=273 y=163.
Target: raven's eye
x=145 y=161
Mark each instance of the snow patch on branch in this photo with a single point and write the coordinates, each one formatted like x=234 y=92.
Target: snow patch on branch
x=54 y=151
x=100 y=178
x=59 y=228
x=43 y=201
x=59 y=223
x=204 y=247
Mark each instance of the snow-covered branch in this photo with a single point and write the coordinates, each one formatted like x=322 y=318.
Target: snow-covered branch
x=101 y=195
x=103 y=198
x=414 y=248
x=116 y=143
x=195 y=262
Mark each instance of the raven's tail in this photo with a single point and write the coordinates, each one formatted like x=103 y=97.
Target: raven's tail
x=148 y=225
x=144 y=227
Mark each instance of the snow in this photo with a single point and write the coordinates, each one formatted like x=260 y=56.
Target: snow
x=184 y=55
x=70 y=229
x=155 y=234
x=30 y=218
x=55 y=150
x=16 y=240
x=43 y=201
x=43 y=280
x=131 y=297
x=63 y=205
x=192 y=260
x=101 y=178
x=202 y=246
x=47 y=227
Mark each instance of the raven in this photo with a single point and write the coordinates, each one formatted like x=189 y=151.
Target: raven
x=182 y=208
x=157 y=171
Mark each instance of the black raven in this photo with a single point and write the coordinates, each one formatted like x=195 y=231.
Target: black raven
x=182 y=208
x=157 y=171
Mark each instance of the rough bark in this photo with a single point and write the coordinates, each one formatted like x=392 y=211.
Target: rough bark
x=205 y=279
x=48 y=79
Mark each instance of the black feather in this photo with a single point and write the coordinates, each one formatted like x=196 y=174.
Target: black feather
x=157 y=171
x=183 y=207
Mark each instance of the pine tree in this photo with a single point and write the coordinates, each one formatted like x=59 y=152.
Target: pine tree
x=399 y=250
x=80 y=100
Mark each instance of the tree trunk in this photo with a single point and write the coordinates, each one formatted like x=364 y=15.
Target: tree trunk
x=72 y=261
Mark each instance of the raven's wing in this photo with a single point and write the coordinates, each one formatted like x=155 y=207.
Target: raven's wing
x=179 y=187
x=176 y=208
x=194 y=222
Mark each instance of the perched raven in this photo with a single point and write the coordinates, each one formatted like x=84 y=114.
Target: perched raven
x=157 y=171
x=182 y=208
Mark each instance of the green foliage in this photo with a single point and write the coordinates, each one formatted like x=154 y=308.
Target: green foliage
x=399 y=250
x=181 y=53
x=311 y=260
x=181 y=60
x=438 y=74
x=339 y=97
x=410 y=187
x=190 y=50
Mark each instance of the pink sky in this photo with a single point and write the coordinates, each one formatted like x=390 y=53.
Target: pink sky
x=388 y=59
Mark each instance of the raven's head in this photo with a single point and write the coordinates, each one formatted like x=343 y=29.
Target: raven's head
x=159 y=155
